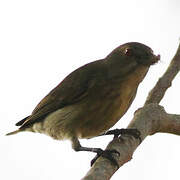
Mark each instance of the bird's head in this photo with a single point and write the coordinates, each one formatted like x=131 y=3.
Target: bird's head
x=134 y=52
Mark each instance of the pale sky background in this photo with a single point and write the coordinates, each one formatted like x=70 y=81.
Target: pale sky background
x=42 y=41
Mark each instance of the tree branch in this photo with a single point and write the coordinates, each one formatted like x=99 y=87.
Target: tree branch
x=149 y=120
x=157 y=93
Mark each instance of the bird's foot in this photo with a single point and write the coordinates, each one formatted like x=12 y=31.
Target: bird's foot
x=116 y=132
x=106 y=154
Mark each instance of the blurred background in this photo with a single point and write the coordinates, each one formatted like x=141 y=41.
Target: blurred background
x=42 y=41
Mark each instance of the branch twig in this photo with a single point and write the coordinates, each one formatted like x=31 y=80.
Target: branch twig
x=157 y=93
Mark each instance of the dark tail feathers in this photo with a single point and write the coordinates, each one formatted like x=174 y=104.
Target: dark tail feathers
x=21 y=122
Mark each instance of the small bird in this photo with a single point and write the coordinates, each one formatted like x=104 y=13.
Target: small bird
x=91 y=99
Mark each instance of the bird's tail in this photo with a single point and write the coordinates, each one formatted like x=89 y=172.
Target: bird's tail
x=14 y=132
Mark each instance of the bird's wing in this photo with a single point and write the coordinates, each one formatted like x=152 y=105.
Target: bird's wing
x=71 y=90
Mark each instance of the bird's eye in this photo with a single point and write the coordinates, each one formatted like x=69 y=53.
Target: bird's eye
x=128 y=51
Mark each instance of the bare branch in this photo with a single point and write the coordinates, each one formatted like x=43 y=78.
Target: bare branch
x=157 y=93
x=149 y=120
x=171 y=124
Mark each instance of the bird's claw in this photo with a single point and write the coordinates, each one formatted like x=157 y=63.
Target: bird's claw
x=133 y=132
x=106 y=154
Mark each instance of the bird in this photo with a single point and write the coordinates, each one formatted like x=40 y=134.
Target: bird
x=93 y=98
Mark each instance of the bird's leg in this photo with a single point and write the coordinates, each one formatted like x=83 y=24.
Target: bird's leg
x=116 y=132
x=104 y=153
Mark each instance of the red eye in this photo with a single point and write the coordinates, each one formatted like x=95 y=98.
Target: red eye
x=128 y=52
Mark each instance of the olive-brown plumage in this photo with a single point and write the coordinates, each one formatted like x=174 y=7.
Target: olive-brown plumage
x=90 y=100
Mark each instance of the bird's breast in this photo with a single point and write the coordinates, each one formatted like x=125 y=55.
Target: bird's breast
x=102 y=113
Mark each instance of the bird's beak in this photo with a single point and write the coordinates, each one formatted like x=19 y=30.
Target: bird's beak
x=156 y=59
